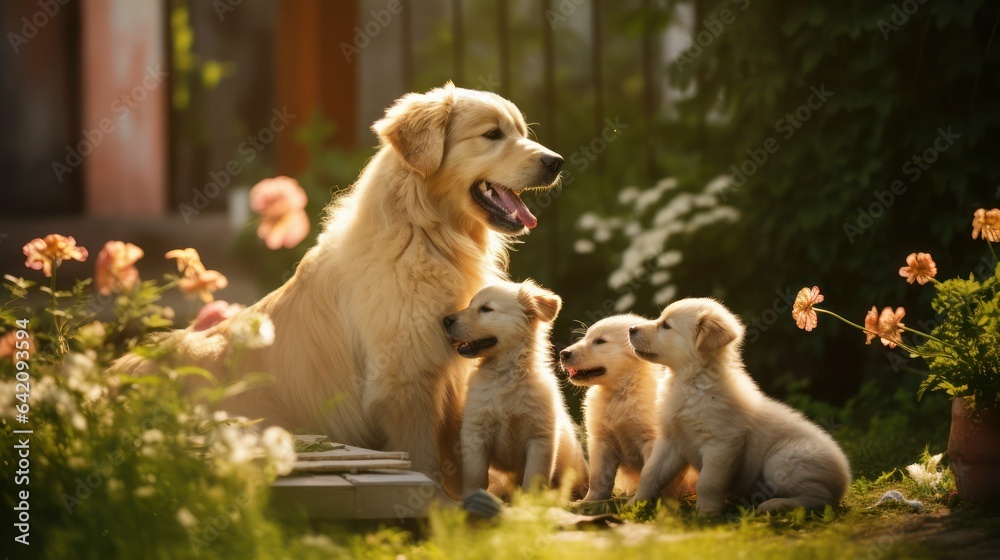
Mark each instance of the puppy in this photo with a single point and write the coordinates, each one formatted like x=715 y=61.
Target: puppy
x=715 y=418
x=620 y=408
x=515 y=418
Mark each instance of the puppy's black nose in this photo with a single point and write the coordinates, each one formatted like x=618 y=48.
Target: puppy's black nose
x=633 y=330
x=449 y=321
x=565 y=354
x=552 y=162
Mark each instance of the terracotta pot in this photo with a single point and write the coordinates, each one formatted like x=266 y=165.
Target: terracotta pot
x=974 y=450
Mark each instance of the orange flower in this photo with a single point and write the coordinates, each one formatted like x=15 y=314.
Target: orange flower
x=203 y=283
x=987 y=223
x=214 y=313
x=802 y=310
x=188 y=261
x=116 y=271
x=921 y=268
x=281 y=204
x=871 y=325
x=890 y=326
x=52 y=250
x=8 y=344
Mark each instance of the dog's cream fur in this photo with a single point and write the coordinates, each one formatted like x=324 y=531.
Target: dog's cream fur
x=359 y=353
x=745 y=445
x=620 y=407
x=515 y=416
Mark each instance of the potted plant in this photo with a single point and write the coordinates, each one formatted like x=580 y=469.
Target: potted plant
x=962 y=352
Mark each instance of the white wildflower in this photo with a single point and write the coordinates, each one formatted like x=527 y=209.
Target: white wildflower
x=583 y=246
x=280 y=448
x=152 y=437
x=186 y=518
x=665 y=295
x=659 y=277
x=588 y=221
x=628 y=194
x=251 y=329
x=625 y=302
x=926 y=473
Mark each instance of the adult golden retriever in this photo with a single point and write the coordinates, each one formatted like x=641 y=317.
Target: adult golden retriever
x=359 y=351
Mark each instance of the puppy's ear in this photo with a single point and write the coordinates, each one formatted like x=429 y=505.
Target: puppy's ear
x=415 y=127
x=538 y=302
x=715 y=331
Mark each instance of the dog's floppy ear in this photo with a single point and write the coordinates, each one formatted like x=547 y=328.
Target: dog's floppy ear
x=415 y=127
x=538 y=302
x=715 y=331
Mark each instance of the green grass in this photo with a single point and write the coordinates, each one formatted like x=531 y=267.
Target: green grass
x=881 y=432
x=530 y=528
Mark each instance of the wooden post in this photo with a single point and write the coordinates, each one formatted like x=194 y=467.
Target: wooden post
x=503 y=39
x=458 y=43
x=597 y=74
x=124 y=111
x=316 y=67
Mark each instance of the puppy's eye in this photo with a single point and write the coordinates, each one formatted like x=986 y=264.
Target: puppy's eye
x=664 y=325
x=494 y=134
x=600 y=341
x=485 y=309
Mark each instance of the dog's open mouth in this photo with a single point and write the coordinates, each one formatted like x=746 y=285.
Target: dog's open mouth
x=506 y=210
x=584 y=374
x=470 y=349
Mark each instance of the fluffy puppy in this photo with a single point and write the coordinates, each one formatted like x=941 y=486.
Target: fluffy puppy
x=515 y=417
x=620 y=407
x=744 y=444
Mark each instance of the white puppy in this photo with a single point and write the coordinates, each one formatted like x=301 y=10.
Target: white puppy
x=715 y=418
x=620 y=408
x=515 y=417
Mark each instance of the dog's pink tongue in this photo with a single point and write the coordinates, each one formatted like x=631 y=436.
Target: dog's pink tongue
x=571 y=371
x=513 y=204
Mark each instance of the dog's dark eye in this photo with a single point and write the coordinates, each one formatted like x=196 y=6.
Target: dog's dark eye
x=600 y=341
x=485 y=309
x=664 y=325
x=494 y=134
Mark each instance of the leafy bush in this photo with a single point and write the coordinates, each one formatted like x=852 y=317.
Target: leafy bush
x=115 y=465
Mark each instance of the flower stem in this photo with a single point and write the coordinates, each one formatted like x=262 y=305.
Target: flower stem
x=992 y=251
x=853 y=324
x=923 y=334
x=55 y=306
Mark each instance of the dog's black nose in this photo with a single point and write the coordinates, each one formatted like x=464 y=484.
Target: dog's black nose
x=552 y=162
x=633 y=330
x=565 y=354
x=449 y=321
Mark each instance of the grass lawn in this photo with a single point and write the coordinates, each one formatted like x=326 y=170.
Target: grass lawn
x=535 y=527
x=881 y=433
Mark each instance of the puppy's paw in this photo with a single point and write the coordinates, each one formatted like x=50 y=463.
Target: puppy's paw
x=482 y=504
x=709 y=508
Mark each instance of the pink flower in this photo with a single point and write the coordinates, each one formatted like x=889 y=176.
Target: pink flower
x=890 y=326
x=52 y=250
x=116 y=271
x=920 y=268
x=203 y=283
x=802 y=310
x=8 y=345
x=188 y=261
x=281 y=204
x=986 y=222
x=871 y=325
x=214 y=313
